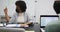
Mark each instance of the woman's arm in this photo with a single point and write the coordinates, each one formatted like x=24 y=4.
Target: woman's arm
x=28 y=23
x=6 y=14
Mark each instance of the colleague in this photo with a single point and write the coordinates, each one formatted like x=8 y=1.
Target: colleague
x=20 y=17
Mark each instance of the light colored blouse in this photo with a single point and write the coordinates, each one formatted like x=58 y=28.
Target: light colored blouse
x=20 y=18
x=25 y=18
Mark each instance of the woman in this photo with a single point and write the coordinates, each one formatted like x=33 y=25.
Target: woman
x=20 y=16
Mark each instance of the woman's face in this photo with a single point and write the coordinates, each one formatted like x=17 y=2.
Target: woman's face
x=18 y=10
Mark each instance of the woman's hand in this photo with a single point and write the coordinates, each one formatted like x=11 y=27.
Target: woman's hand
x=24 y=25
x=6 y=14
x=6 y=10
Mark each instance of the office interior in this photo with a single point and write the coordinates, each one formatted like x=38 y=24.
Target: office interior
x=35 y=8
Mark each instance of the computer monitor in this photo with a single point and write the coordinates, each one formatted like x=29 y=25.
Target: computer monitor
x=45 y=19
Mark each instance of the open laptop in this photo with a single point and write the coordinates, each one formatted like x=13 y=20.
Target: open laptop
x=45 y=19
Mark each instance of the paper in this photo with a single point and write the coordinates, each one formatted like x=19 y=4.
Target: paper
x=13 y=25
x=1 y=25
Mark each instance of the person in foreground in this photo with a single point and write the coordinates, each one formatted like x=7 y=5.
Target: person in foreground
x=53 y=27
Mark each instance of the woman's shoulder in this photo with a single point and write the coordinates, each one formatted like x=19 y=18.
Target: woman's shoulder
x=57 y=0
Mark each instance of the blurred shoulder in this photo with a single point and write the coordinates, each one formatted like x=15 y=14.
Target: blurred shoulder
x=57 y=22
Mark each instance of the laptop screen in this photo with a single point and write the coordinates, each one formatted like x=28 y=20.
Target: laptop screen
x=45 y=19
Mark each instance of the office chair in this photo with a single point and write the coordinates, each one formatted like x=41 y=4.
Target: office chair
x=53 y=27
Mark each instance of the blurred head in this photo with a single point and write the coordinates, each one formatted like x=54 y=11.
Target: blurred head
x=56 y=7
x=20 y=6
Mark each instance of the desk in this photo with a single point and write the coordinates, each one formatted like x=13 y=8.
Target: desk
x=29 y=30
x=12 y=29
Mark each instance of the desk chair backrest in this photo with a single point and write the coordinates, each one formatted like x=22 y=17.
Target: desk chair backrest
x=53 y=27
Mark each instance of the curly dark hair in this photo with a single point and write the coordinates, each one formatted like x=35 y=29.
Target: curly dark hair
x=56 y=7
x=22 y=5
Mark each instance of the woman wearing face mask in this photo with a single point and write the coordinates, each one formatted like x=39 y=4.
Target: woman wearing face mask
x=20 y=17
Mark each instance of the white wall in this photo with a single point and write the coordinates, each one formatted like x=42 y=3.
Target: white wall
x=44 y=7
x=2 y=6
x=10 y=4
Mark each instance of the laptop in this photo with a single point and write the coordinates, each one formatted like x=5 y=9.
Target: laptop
x=45 y=19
